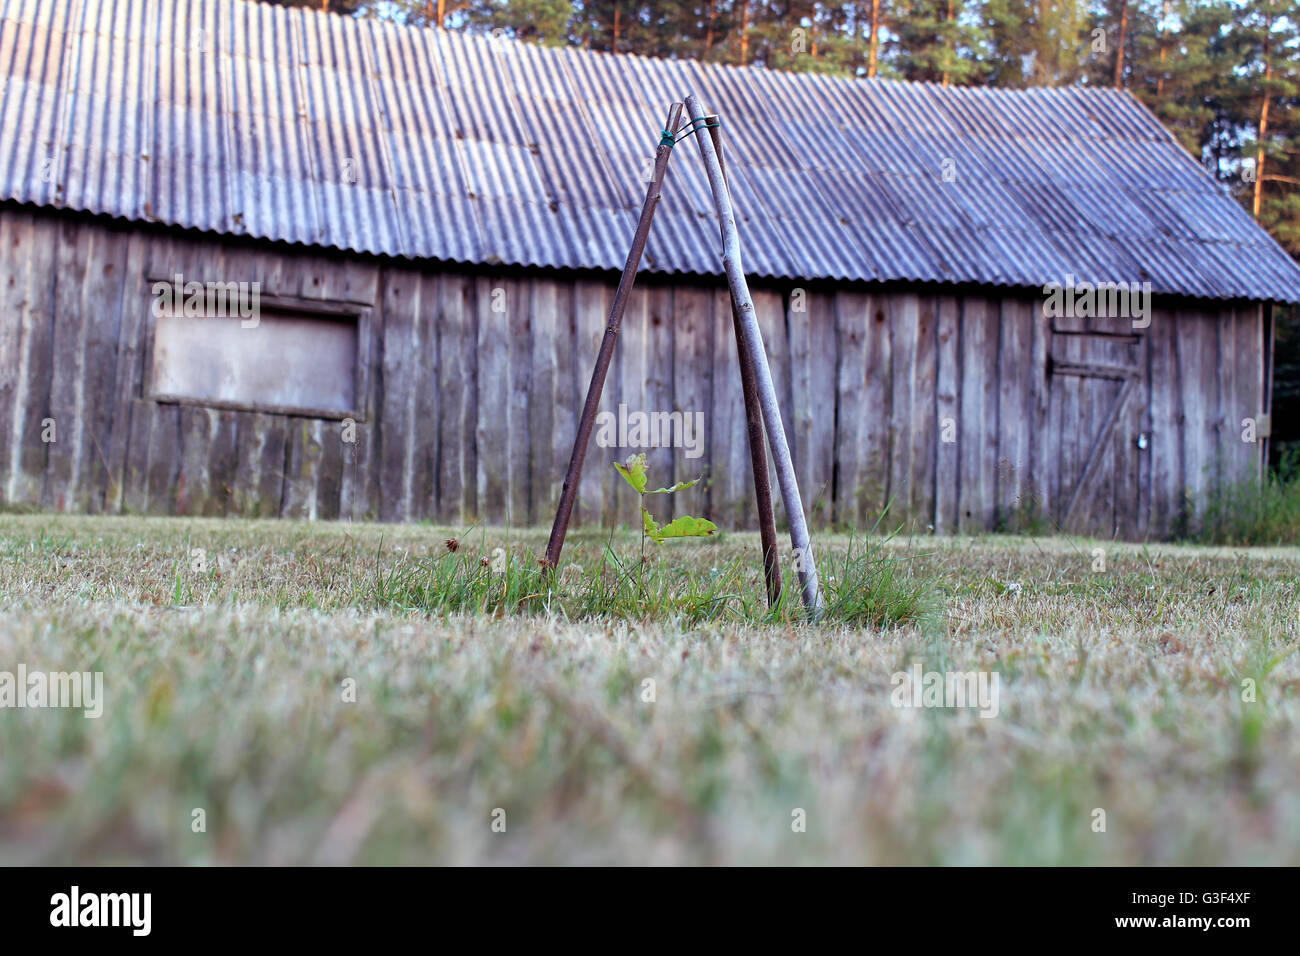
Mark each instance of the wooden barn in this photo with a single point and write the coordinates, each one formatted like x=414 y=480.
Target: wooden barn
x=269 y=261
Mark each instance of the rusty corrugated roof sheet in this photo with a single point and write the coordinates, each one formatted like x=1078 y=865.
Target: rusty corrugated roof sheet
x=293 y=125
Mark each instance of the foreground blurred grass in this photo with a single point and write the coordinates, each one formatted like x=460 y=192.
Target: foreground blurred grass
x=1120 y=691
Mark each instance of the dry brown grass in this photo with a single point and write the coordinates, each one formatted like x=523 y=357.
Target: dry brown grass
x=1120 y=690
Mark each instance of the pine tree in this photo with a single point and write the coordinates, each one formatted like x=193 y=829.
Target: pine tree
x=1036 y=42
x=542 y=21
x=938 y=41
x=1268 y=33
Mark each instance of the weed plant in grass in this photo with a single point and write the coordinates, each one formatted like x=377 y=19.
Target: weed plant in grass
x=867 y=587
x=872 y=588
x=1246 y=512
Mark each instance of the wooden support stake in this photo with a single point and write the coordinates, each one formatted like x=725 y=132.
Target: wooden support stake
x=754 y=425
x=753 y=344
x=570 y=490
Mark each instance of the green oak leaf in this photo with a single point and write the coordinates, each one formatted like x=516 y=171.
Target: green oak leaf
x=683 y=527
x=633 y=472
x=680 y=486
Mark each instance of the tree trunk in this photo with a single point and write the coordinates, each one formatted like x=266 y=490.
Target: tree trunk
x=708 y=36
x=948 y=19
x=744 y=31
x=874 y=45
x=614 y=48
x=1119 y=47
x=1164 y=30
x=1258 y=204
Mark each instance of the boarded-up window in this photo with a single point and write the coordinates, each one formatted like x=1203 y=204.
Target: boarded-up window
x=289 y=361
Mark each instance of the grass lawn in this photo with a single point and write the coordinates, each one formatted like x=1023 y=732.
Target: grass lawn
x=228 y=682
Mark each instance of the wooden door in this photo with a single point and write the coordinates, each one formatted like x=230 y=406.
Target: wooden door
x=1096 y=413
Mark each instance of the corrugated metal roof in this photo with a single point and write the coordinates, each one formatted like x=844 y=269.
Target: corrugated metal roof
x=293 y=125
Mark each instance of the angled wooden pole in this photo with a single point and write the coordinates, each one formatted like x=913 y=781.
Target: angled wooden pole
x=753 y=344
x=754 y=425
x=570 y=490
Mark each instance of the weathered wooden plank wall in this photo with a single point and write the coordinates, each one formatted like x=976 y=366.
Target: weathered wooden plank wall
x=943 y=407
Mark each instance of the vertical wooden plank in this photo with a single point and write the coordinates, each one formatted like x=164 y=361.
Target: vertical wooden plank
x=400 y=348
x=1166 y=437
x=272 y=463
x=67 y=367
x=729 y=458
x=1224 y=450
x=358 y=492
x=356 y=439
x=426 y=409
x=567 y=408
x=921 y=430
x=1266 y=336
x=127 y=442
x=457 y=426
x=347 y=280
x=163 y=491
x=198 y=425
x=1014 y=415
x=1196 y=355
x=547 y=324
x=519 y=344
x=192 y=485
x=665 y=461
x=1073 y=420
x=304 y=451
x=1042 y=462
x=1141 y=435
x=1228 y=444
x=1209 y=381
x=133 y=302
x=803 y=368
x=102 y=301
x=770 y=310
x=1251 y=398
x=823 y=338
x=813 y=385
x=692 y=388
x=852 y=315
x=31 y=402
x=1053 y=481
x=1128 y=465
x=978 y=423
x=947 y=414
x=246 y=494
x=903 y=321
x=223 y=462
x=13 y=281
x=874 y=492
x=328 y=493
x=865 y=402
x=169 y=255
x=135 y=471
x=591 y=313
x=493 y=389
x=629 y=373
x=354 y=281
x=311 y=273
